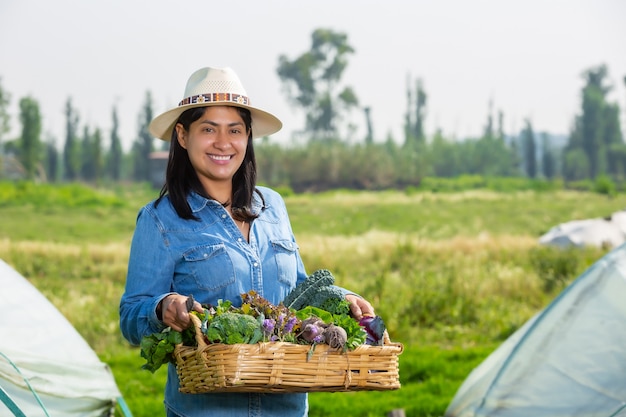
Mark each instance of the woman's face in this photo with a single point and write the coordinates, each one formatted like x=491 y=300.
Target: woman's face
x=216 y=143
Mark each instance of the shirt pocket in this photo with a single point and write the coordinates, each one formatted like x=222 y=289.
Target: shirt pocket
x=210 y=267
x=285 y=252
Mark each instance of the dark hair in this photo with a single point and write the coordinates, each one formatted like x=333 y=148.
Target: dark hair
x=181 y=177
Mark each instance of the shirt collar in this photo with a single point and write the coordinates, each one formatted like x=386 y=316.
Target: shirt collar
x=197 y=202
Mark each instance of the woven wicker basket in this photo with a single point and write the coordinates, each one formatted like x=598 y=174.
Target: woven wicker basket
x=284 y=367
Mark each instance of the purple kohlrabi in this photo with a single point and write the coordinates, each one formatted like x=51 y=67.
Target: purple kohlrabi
x=313 y=330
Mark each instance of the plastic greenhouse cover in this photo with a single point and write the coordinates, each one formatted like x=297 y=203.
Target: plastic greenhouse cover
x=568 y=360
x=45 y=364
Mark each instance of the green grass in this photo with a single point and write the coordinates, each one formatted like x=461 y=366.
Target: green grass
x=111 y=217
x=452 y=274
x=444 y=215
x=430 y=376
x=69 y=213
x=142 y=390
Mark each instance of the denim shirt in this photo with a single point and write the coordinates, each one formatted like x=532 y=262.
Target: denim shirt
x=211 y=260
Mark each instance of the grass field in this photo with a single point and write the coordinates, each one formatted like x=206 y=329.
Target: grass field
x=452 y=274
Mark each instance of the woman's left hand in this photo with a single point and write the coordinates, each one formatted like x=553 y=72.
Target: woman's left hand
x=359 y=306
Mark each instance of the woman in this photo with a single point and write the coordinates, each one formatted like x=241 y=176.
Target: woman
x=213 y=234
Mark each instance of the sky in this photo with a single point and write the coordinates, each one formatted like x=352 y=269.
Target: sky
x=525 y=57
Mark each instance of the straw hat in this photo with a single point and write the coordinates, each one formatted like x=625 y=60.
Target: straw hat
x=214 y=87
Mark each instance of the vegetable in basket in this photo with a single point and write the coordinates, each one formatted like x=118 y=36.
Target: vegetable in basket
x=231 y=328
x=308 y=293
x=318 y=290
x=257 y=320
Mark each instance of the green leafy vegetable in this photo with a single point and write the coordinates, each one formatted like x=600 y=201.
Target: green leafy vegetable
x=258 y=320
x=300 y=296
x=336 y=305
x=310 y=311
x=328 y=295
x=157 y=348
x=222 y=307
x=231 y=328
x=355 y=332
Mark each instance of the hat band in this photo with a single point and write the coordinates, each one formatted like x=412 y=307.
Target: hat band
x=216 y=97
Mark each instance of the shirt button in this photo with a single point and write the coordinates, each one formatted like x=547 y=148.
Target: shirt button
x=255 y=264
x=223 y=216
x=206 y=255
x=239 y=240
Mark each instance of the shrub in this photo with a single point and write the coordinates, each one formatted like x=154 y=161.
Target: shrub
x=556 y=267
x=604 y=185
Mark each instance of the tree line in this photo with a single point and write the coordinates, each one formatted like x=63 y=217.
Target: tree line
x=328 y=157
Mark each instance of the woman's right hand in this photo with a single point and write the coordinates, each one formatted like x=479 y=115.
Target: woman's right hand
x=174 y=311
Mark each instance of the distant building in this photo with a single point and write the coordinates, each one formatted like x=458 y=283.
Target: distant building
x=158 y=165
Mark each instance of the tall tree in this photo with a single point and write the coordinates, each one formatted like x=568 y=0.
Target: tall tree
x=420 y=112
x=93 y=165
x=415 y=116
x=444 y=156
x=414 y=155
x=71 y=149
x=87 y=169
x=613 y=142
x=616 y=156
x=408 y=116
x=143 y=145
x=548 y=160
x=30 y=140
x=489 y=131
x=96 y=156
x=51 y=161
x=596 y=129
x=487 y=156
x=312 y=81
x=530 y=150
x=501 y=125
x=5 y=99
x=369 y=137
x=114 y=161
x=575 y=165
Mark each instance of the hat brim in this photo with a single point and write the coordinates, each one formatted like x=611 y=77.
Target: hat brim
x=263 y=123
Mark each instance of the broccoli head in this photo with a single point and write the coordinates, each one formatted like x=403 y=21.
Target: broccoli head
x=231 y=328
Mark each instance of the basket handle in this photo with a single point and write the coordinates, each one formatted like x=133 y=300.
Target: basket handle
x=197 y=324
x=387 y=342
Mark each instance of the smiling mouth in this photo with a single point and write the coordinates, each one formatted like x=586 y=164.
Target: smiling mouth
x=220 y=157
